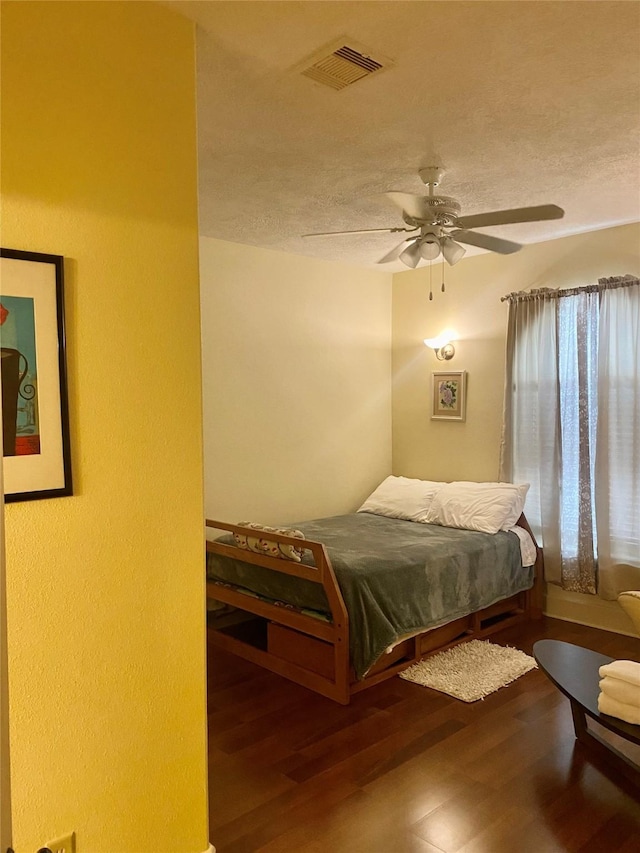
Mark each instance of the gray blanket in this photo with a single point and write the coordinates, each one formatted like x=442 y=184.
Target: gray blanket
x=396 y=577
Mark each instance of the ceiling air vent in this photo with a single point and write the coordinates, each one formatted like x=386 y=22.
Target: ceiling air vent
x=342 y=67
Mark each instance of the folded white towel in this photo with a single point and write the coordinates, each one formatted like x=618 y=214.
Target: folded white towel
x=625 y=670
x=628 y=713
x=621 y=691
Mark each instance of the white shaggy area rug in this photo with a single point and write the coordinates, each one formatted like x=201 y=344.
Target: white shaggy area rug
x=471 y=670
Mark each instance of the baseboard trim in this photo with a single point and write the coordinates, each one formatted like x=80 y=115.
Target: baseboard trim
x=587 y=610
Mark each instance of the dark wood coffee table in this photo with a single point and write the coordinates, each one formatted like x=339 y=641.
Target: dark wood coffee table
x=574 y=671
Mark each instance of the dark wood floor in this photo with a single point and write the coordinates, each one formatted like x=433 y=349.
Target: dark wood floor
x=405 y=769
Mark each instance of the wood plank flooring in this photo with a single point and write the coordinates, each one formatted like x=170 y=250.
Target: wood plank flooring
x=405 y=769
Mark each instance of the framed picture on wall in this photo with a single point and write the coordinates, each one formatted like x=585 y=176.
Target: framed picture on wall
x=449 y=396
x=35 y=419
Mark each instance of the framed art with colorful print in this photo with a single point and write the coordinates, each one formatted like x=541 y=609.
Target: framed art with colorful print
x=35 y=421
x=449 y=396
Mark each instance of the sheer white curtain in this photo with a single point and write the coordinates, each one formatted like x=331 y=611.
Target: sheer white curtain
x=530 y=441
x=618 y=442
x=572 y=429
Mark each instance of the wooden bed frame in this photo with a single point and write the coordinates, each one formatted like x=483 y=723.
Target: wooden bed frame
x=315 y=653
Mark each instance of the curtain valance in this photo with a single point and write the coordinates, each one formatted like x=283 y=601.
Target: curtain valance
x=603 y=284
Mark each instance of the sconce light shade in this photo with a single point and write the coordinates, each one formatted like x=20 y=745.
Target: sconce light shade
x=442 y=345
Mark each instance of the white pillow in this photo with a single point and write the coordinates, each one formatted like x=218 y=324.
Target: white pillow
x=487 y=507
x=401 y=497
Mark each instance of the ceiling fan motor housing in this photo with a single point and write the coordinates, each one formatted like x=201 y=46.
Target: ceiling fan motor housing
x=439 y=210
x=443 y=206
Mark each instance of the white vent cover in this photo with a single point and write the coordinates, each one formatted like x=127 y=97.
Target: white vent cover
x=342 y=66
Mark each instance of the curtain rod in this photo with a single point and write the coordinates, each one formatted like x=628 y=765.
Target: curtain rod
x=555 y=293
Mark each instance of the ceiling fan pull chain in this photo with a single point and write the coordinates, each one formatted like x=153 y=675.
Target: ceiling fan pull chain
x=430 y=291
x=442 y=288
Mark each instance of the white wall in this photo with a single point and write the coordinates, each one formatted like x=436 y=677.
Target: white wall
x=296 y=383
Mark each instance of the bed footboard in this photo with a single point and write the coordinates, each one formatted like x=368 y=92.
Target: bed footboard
x=309 y=651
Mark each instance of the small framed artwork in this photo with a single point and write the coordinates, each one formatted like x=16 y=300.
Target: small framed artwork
x=35 y=419
x=449 y=396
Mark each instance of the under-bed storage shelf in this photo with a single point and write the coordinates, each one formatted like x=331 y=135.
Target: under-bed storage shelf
x=285 y=643
x=300 y=649
x=251 y=631
x=253 y=643
x=503 y=613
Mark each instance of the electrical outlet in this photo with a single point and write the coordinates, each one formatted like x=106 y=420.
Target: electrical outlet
x=64 y=844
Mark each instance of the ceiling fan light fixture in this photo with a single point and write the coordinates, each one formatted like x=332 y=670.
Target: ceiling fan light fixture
x=452 y=251
x=411 y=255
x=430 y=247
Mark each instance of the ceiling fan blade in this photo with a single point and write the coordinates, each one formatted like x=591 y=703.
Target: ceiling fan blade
x=360 y=231
x=394 y=254
x=508 y=217
x=486 y=241
x=414 y=205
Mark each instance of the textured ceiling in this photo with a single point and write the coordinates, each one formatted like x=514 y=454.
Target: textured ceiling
x=523 y=103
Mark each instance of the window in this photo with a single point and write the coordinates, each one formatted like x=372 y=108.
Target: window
x=572 y=429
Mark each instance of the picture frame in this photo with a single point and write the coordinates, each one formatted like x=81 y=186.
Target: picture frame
x=35 y=408
x=449 y=396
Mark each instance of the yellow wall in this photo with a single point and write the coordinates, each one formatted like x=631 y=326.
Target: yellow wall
x=105 y=588
x=296 y=383
x=471 y=305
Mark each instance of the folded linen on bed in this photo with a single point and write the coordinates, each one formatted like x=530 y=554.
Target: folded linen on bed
x=621 y=691
x=621 y=710
x=264 y=545
x=527 y=546
x=624 y=670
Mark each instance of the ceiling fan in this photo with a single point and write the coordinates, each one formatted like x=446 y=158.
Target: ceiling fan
x=438 y=227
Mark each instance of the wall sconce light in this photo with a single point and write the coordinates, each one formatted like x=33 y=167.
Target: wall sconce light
x=442 y=345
